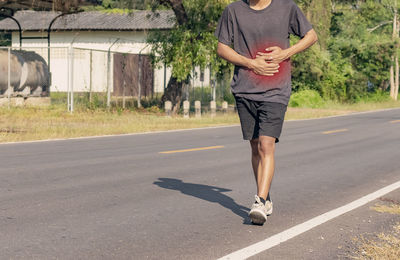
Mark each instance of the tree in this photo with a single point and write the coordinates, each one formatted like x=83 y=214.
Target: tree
x=394 y=72
x=353 y=59
x=319 y=13
x=126 y=4
x=190 y=43
x=5 y=39
x=55 y=5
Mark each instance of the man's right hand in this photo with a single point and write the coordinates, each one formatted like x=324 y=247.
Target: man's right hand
x=257 y=65
x=260 y=67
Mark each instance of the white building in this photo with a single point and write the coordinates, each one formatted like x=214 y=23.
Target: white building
x=101 y=47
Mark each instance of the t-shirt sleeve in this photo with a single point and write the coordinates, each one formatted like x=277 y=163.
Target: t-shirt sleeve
x=224 y=31
x=298 y=25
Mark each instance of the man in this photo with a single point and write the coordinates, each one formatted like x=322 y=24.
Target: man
x=254 y=36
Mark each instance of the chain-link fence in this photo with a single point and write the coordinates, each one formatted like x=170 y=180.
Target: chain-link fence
x=91 y=78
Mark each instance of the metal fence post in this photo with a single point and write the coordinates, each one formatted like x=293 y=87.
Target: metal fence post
x=108 y=73
x=108 y=79
x=69 y=77
x=91 y=76
x=165 y=76
x=9 y=77
x=70 y=92
x=140 y=82
x=72 y=79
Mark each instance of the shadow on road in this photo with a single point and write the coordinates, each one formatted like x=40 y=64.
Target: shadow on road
x=205 y=192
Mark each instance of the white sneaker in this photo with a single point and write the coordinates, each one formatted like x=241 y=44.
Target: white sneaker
x=269 y=206
x=258 y=212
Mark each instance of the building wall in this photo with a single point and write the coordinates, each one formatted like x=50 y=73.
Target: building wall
x=90 y=57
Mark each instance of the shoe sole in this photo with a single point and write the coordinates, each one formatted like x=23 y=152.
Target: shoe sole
x=257 y=217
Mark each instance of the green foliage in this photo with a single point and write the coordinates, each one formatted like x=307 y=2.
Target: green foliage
x=325 y=73
x=319 y=13
x=351 y=62
x=122 y=6
x=376 y=97
x=369 y=53
x=192 y=43
x=355 y=61
x=204 y=94
x=126 y=4
x=306 y=98
x=99 y=102
x=5 y=39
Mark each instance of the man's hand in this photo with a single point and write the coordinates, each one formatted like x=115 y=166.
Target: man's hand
x=257 y=65
x=261 y=67
x=275 y=55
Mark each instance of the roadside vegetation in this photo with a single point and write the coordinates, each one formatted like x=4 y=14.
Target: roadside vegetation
x=380 y=246
x=352 y=68
x=93 y=118
x=356 y=56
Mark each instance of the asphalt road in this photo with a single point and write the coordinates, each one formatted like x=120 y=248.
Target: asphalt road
x=120 y=198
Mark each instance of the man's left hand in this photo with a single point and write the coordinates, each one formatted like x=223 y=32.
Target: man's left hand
x=275 y=55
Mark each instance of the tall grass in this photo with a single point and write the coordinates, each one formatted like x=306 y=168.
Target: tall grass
x=94 y=118
x=35 y=123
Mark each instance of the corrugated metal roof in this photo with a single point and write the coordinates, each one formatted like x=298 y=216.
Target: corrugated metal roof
x=93 y=20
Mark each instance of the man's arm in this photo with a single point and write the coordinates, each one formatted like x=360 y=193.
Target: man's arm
x=277 y=55
x=309 y=39
x=258 y=65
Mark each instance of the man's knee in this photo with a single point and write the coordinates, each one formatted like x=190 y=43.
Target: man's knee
x=266 y=145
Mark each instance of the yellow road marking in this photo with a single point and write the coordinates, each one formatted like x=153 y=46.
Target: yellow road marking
x=335 y=131
x=193 y=149
x=395 y=121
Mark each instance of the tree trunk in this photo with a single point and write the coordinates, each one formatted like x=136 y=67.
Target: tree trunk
x=173 y=93
x=178 y=8
x=392 y=87
x=319 y=13
x=396 y=82
x=394 y=75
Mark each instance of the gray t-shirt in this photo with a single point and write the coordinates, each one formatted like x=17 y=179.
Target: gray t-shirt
x=249 y=31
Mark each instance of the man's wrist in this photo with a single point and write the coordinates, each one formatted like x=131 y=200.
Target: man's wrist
x=248 y=63
x=288 y=53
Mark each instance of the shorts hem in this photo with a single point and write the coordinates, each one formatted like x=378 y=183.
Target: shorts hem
x=252 y=138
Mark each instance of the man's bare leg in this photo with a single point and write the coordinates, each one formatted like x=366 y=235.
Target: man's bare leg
x=263 y=162
x=255 y=156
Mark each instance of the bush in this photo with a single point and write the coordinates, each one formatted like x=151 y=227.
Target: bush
x=204 y=94
x=376 y=97
x=306 y=98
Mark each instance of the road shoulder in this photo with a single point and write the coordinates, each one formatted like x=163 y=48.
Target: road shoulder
x=336 y=238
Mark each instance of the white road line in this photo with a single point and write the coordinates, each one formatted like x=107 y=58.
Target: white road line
x=303 y=227
x=345 y=115
x=117 y=135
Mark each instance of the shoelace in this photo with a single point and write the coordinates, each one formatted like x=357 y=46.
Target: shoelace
x=258 y=203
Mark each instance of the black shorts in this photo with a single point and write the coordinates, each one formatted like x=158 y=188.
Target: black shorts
x=260 y=118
